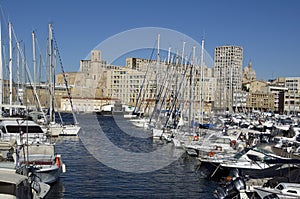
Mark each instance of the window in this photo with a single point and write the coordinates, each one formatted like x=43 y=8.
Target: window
x=29 y=129
x=292 y=191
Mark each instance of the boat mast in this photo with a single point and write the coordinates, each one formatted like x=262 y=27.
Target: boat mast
x=51 y=86
x=201 y=83
x=34 y=59
x=64 y=76
x=169 y=55
x=1 y=71
x=182 y=69
x=10 y=68
x=157 y=69
x=18 y=74
x=191 y=89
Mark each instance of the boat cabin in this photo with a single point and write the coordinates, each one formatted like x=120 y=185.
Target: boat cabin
x=14 y=185
x=21 y=130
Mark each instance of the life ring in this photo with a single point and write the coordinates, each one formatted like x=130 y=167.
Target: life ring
x=196 y=138
x=211 y=154
x=57 y=161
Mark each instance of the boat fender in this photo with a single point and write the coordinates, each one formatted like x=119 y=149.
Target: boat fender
x=57 y=161
x=233 y=143
x=228 y=178
x=211 y=154
x=64 y=169
x=196 y=138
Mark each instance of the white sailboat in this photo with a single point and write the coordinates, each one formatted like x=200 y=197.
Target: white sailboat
x=58 y=129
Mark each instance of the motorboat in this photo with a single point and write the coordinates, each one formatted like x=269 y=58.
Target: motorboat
x=47 y=165
x=21 y=130
x=282 y=190
x=257 y=162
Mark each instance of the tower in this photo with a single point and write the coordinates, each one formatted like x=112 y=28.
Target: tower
x=228 y=62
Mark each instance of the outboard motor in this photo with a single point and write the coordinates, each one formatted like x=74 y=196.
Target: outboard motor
x=220 y=193
x=239 y=184
x=234 y=187
x=231 y=189
x=234 y=173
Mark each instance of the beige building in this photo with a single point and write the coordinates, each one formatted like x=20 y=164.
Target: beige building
x=125 y=84
x=259 y=100
x=87 y=84
x=258 y=85
x=103 y=84
x=289 y=94
x=98 y=84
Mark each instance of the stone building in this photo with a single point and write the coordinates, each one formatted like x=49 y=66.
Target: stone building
x=259 y=100
x=249 y=73
x=88 y=83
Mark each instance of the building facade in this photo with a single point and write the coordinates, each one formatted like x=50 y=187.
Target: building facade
x=228 y=62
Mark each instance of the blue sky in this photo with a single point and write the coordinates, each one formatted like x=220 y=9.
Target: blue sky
x=268 y=30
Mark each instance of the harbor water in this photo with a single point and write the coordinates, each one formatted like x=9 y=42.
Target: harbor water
x=87 y=177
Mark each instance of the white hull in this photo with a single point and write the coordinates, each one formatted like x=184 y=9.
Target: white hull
x=142 y=123
x=55 y=129
x=70 y=130
x=177 y=143
x=46 y=163
x=265 y=191
x=48 y=175
x=157 y=133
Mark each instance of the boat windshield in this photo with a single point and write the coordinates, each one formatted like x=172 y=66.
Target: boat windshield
x=261 y=150
x=280 y=187
x=240 y=154
x=29 y=129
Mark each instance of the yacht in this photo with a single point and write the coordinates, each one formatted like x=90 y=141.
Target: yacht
x=257 y=162
x=21 y=130
x=282 y=190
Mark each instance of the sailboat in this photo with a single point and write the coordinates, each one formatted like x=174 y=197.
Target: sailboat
x=64 y=129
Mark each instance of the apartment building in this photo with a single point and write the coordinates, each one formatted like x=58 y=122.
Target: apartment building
x=228 y=71
x=290 y=94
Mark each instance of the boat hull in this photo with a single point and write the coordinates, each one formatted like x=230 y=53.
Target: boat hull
x=70 y=130
x=48 y=175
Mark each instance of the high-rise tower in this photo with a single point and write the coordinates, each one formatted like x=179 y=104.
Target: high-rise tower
x=228 y=61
